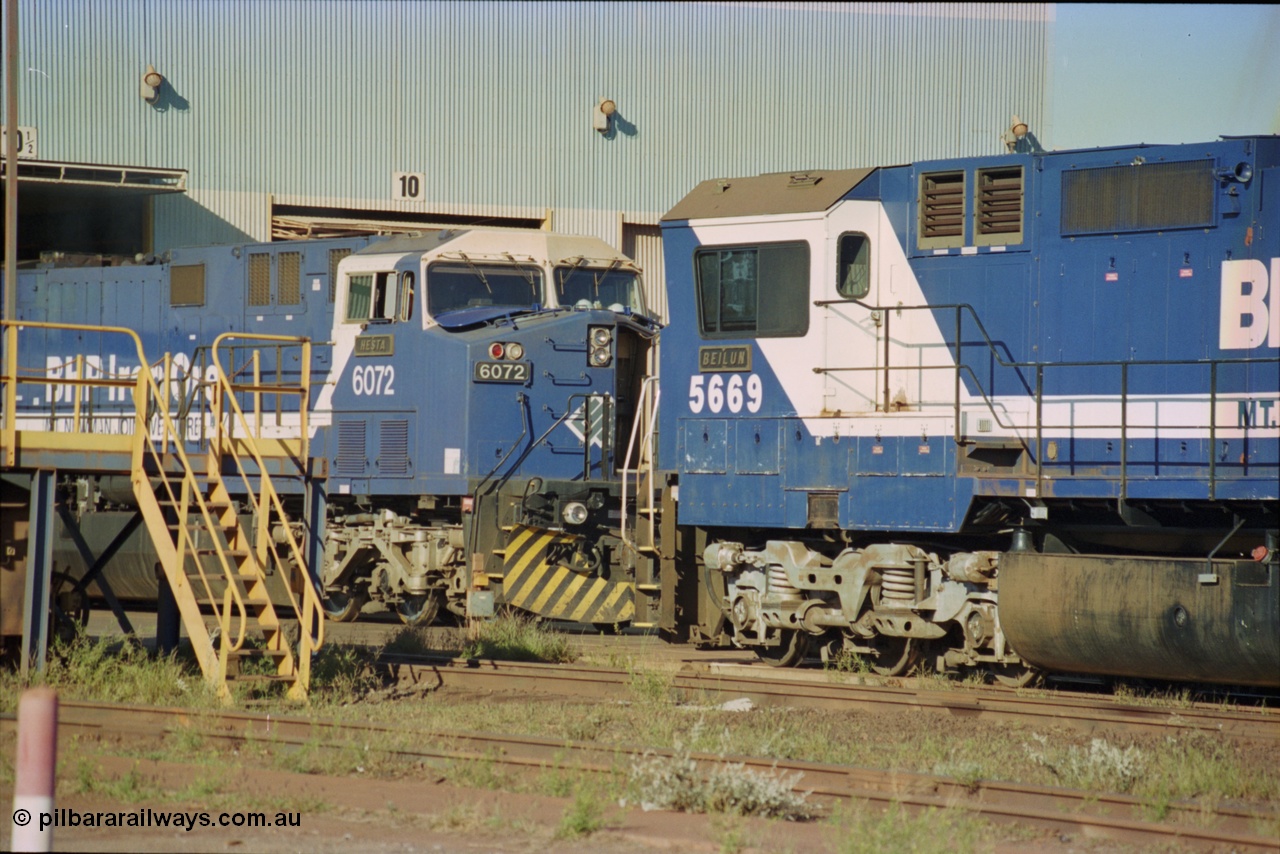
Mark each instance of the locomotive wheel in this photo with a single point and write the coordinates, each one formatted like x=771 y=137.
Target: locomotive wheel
x=893 y=656
x=1013 y=675
x=344 y=607
x=417 y=611
x=789 y=653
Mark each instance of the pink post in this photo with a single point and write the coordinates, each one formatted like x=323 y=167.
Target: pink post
x=37 y=757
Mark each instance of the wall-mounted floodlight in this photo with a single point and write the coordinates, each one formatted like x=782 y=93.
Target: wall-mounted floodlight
x=151 y=81
x=1016 y=133
x=603 y=112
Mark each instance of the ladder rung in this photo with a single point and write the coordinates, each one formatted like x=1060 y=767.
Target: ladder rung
x=263 y=653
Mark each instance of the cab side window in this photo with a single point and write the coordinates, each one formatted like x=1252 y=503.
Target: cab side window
x=376 y=296
x=853 y=267
x=757 y=291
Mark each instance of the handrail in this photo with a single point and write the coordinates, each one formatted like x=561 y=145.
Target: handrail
x=149 y=403
x=12 y=377
x=311 y=618
x=648 y=388
x=1038 y=392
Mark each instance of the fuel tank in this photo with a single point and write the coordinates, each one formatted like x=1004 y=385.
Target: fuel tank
x=1158 y=618
x=132 y=570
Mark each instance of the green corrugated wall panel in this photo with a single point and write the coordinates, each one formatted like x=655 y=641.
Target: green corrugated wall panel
x=493 y=101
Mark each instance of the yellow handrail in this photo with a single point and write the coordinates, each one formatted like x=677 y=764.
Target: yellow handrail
x=11 y=377
x=313 y=614
x=145 y=390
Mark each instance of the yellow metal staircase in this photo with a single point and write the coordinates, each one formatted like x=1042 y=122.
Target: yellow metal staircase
x=216 y=543
x=207 y=554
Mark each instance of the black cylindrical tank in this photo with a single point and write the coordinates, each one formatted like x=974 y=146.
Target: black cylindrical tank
x=1157 y=618
x=131 y=572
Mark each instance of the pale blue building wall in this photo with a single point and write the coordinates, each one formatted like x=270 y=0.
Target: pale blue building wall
x=319 y=102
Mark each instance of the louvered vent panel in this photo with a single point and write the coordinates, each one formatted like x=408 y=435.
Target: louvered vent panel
x=393 y=448
x=186 y=284
x=260 y=279
x=290 y=278
x=999 y=206
x=942 y=209
x=1145 y=197
x=351 y=459
x=335 y=258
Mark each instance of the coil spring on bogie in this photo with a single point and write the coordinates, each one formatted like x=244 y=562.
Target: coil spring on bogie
x=780 y=585
x=897 y=586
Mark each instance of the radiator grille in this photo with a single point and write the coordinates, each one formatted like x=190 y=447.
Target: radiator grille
x=942 y=209
x=1145 y=197
x=290 y=278
x=393 y=448
x=260 y=279
x=999 y=206
x=351 y=459
x=335 y=257
x=186 y=284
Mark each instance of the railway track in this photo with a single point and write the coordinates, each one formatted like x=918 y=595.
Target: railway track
x=1084 y=713
x=1093 y=815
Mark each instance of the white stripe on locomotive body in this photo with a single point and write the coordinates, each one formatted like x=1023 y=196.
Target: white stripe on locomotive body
x=343 y=334
x=845 y=404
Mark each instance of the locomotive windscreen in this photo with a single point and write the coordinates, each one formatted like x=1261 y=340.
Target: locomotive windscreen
x=455 y=287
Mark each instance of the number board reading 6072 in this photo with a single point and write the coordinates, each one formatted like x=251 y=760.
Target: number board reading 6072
x=501 y=372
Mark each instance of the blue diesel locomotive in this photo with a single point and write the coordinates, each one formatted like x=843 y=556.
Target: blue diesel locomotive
x=469 y=386
x=1008 y=414
x=1001 y=413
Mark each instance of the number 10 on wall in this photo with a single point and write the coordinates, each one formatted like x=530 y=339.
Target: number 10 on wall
x=407 y=186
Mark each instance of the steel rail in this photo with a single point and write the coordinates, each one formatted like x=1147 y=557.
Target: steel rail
x=1084 y=714
x=1095 y=815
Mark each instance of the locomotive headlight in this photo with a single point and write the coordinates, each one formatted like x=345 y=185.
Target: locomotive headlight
x=515 y=351
x=574 y=513
x=497 y=350
x=600 y=338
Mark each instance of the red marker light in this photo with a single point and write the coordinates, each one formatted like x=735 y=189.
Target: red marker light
x=496 y=350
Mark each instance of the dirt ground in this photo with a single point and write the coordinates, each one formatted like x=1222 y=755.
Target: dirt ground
x=422 y=816
x=421 y=813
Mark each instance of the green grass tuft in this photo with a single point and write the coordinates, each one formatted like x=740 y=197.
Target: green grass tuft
x=518 y=639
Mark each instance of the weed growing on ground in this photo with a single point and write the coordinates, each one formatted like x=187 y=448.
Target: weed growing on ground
x=340 y=673
x=847 y=661
x=730 y=834
x=458 y=817
x=583 y=817
x=512 y=638
x=108 y=670
x=649 y=687
x=864 y=830
x=677 y=783
x=131 y=788
x=480 y=773
x=1102 y=767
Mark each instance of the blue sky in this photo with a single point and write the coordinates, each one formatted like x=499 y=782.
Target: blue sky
x=1162 y=73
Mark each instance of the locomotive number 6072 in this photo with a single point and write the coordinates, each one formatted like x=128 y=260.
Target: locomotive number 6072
x=501 y=372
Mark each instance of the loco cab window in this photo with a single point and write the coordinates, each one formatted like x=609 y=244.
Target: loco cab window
x=853 y=268
x=373 y=296
x=460 y=286
x=753 y=291
x=584 y=287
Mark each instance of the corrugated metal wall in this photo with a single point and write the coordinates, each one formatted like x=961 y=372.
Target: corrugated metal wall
x=492 y=101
